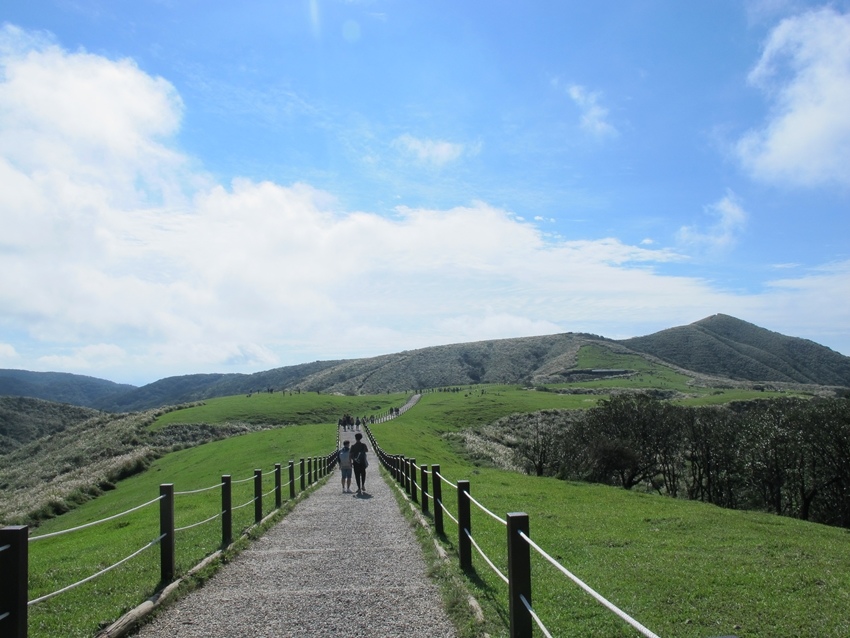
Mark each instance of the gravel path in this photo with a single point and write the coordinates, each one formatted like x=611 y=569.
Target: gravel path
x=337 y=565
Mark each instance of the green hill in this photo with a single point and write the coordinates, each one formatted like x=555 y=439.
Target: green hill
x=719 y=346
x=724 y=346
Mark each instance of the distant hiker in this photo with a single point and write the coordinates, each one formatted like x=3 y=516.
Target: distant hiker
x=358 y=457
x=357 y=423
x=341 y=424
x=344 y=459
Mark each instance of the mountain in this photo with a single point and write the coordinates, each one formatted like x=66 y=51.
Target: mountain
x=60 y=387
x=719 y=345
x=23 y=419
x=724 y=346
x=197 y=387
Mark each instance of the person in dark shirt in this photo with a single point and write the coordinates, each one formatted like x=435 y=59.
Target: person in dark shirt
x=359 y=463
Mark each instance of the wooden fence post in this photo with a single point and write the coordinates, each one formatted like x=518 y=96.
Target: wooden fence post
x=291 y=479
x=411 y=466
x=14 y=589
x=303 y=475
x=423 y=482
x=437 y=488
x=519 y=575
x=309 y=470
x=166 y=530
x=258 y=496
x=464 y=546
x=226 y=511
x=278 y=497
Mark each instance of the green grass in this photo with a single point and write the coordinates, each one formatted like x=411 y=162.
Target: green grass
x=681 y=568
x=60 y=561
x=281 y=408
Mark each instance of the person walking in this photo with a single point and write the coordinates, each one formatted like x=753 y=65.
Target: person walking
x=358 y=458
x=344 y=459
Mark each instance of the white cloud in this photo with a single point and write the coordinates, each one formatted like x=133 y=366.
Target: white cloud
x=122 y=262
x=434 y=152
x=594 y=116
x=85 y=358
x=729 y=221
x=804 y=70
x=8 y=354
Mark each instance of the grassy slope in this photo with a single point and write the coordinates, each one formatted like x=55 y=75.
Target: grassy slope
x=57 y=562
x=681 y=568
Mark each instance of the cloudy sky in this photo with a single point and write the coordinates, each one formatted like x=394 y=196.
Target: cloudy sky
x=213 y=186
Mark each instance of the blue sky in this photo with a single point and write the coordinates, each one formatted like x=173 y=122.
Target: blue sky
x=210 y=186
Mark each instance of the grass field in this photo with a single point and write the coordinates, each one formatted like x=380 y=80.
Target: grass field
x=680 y=568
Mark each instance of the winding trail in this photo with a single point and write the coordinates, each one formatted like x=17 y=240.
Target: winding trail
x=336 y=565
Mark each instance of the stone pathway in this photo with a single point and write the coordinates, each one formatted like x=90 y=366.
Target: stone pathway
x=337 y=565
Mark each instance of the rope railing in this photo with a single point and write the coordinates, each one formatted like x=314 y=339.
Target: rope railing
x=447 y=481
x=519 y=567
x=485 y=510
x=15 y=540
x=93 y=523
x=535 y=616
x=599 y=598
x=199 y=523
x=245 y=504
x=485 y=557
x=217 y=486
x=448 y=513
x=35 y=601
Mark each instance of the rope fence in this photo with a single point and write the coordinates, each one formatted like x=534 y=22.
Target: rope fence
x=15 y=540
x=93 y=576
x=199 y=491
x=93 y=523
x=519 y=544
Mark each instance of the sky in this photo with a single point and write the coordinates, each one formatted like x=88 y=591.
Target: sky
x=194 y=186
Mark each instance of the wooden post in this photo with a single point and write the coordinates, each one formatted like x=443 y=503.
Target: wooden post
x=258 y=496
x=423 y=481
x=278 y=497
x=519 y=575
x=464 y=545
x=438 y=500
x=166 y=530
x=291 y=478
x=309 y=470
x=303 y=475
x=412 y=467
x=14 y=589
x=226 y=511
x=401 y=472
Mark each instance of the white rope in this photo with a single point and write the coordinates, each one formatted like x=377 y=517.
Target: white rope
x=448 y=513
x=484 y=556
x=100 y=573
x=245 y=480
x=605 y=603
x=5 y=547
x=103 y=520
x=469 y=496
x=445 y=480
x=211 y=518
x=239 y=507
x=203 y=489
x=535 y=616
x=2 y=616
x=271 y=491
x=272 y=471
